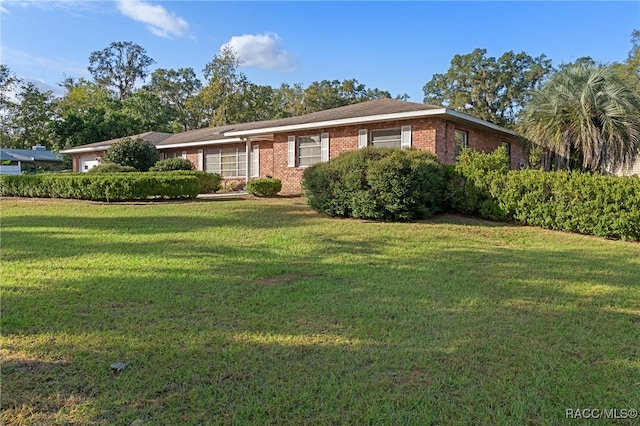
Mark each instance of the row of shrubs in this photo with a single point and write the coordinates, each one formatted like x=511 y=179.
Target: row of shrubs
x=111 y=186
x=391 y=184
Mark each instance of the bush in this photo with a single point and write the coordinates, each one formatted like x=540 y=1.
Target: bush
x=209 y=182
x=136 y=153
x=102 y=187
x=586 y=203
x=470 y=181
x=111 y=168
x=264 y=187
x=377 y=183
x=172 y=164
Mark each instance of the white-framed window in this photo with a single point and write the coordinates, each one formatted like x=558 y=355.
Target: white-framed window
x=399 y=137
x=386 y=138
x=309 y=150
x=461 y=140
x=305 y=151
x=227 y=162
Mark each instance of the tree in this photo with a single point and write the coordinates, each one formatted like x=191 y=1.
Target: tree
x=8 y=84
x=27 y=122
x=147 y=112
x=586 y=117
x=225 y=84
x=136 y=153
x=488 y=88
x=119 y=66
x=176 y=90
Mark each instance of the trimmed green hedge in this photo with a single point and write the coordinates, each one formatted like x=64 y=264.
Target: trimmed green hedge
x=111 y=168
x=377 y=183
x=107 y=187
x=585 y=203
x=172 y=164
x=264 y=187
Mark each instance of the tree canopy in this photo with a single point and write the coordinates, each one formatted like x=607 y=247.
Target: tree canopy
x=587 y=117
x=119 y=66
x=488 y=88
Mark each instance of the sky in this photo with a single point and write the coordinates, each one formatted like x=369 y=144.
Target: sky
x=393 y=46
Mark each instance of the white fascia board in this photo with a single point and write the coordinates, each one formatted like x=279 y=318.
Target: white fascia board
x=201 y=143
x=479 y=122
x=339 y=122
x=373 y=119
x=81 y=150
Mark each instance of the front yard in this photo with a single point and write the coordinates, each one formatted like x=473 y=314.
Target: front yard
x=264 y=312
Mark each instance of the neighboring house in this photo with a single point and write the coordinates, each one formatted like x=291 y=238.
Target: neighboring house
x=283 y=148
x=17 y=161
x=634 y=169
x=86 y=157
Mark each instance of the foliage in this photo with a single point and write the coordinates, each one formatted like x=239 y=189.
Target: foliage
x=172 y=164
x=102 y=187
x=264 y=187
x=377 y=183
x=176 y=90
x=470 y=182
x=119 y=66
x=488 y=88
x=136 y=153
x=209 y=182
x=26 y=121
x=111 y=168
x=586 y=117
x=605 y=206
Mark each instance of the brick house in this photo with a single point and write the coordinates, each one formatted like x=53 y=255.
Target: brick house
x=283 y=148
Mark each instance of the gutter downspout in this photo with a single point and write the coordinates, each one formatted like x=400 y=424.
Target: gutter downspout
x=248 y=160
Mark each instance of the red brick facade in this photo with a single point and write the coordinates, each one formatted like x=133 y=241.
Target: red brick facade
x=431 y=134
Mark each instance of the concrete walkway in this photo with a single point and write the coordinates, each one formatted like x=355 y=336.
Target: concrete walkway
x=222 y=195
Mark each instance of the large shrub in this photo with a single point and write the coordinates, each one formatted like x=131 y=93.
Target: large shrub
x=264 y=187
x=209 y=182
x=377 y=183
x=470 y=181
x=172 y=164
x=111 y=168
x=136 y=153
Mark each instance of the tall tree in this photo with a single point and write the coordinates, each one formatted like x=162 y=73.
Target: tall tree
x=177 y=89
x=8 y=85
x=29 y=125
x=587 y=117
x=488 y=88
x=224 y=85
x=119 y=66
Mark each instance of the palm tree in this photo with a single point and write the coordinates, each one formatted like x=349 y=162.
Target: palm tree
x=585 y=116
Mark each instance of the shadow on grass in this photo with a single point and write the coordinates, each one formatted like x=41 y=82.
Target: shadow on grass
x=361 y=328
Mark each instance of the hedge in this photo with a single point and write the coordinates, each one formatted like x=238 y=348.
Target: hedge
x=264 y=187
x=172 y=164
x=377 y=183
x=585 y=203
x=108 y=187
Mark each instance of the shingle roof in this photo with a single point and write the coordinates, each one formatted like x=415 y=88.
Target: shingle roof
x=153 y=137
x=363 y=109
x=376 y=109
x=27 y=155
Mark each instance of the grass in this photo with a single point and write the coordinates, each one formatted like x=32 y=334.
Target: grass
x=264 y=312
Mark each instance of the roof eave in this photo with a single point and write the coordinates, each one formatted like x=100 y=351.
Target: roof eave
x=86 y=149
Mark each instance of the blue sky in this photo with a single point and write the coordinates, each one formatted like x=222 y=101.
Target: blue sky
x=394 y=46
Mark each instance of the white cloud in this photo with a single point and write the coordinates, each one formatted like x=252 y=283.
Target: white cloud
x=262 y=51
x=21 y=59
x=159 y=20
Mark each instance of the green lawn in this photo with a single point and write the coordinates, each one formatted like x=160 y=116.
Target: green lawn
x=262 y=312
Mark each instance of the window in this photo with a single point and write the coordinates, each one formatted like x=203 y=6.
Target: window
x=461 y=140
x=228 y=162
x=507 y=147
x=309 y=150
x=387 y=138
